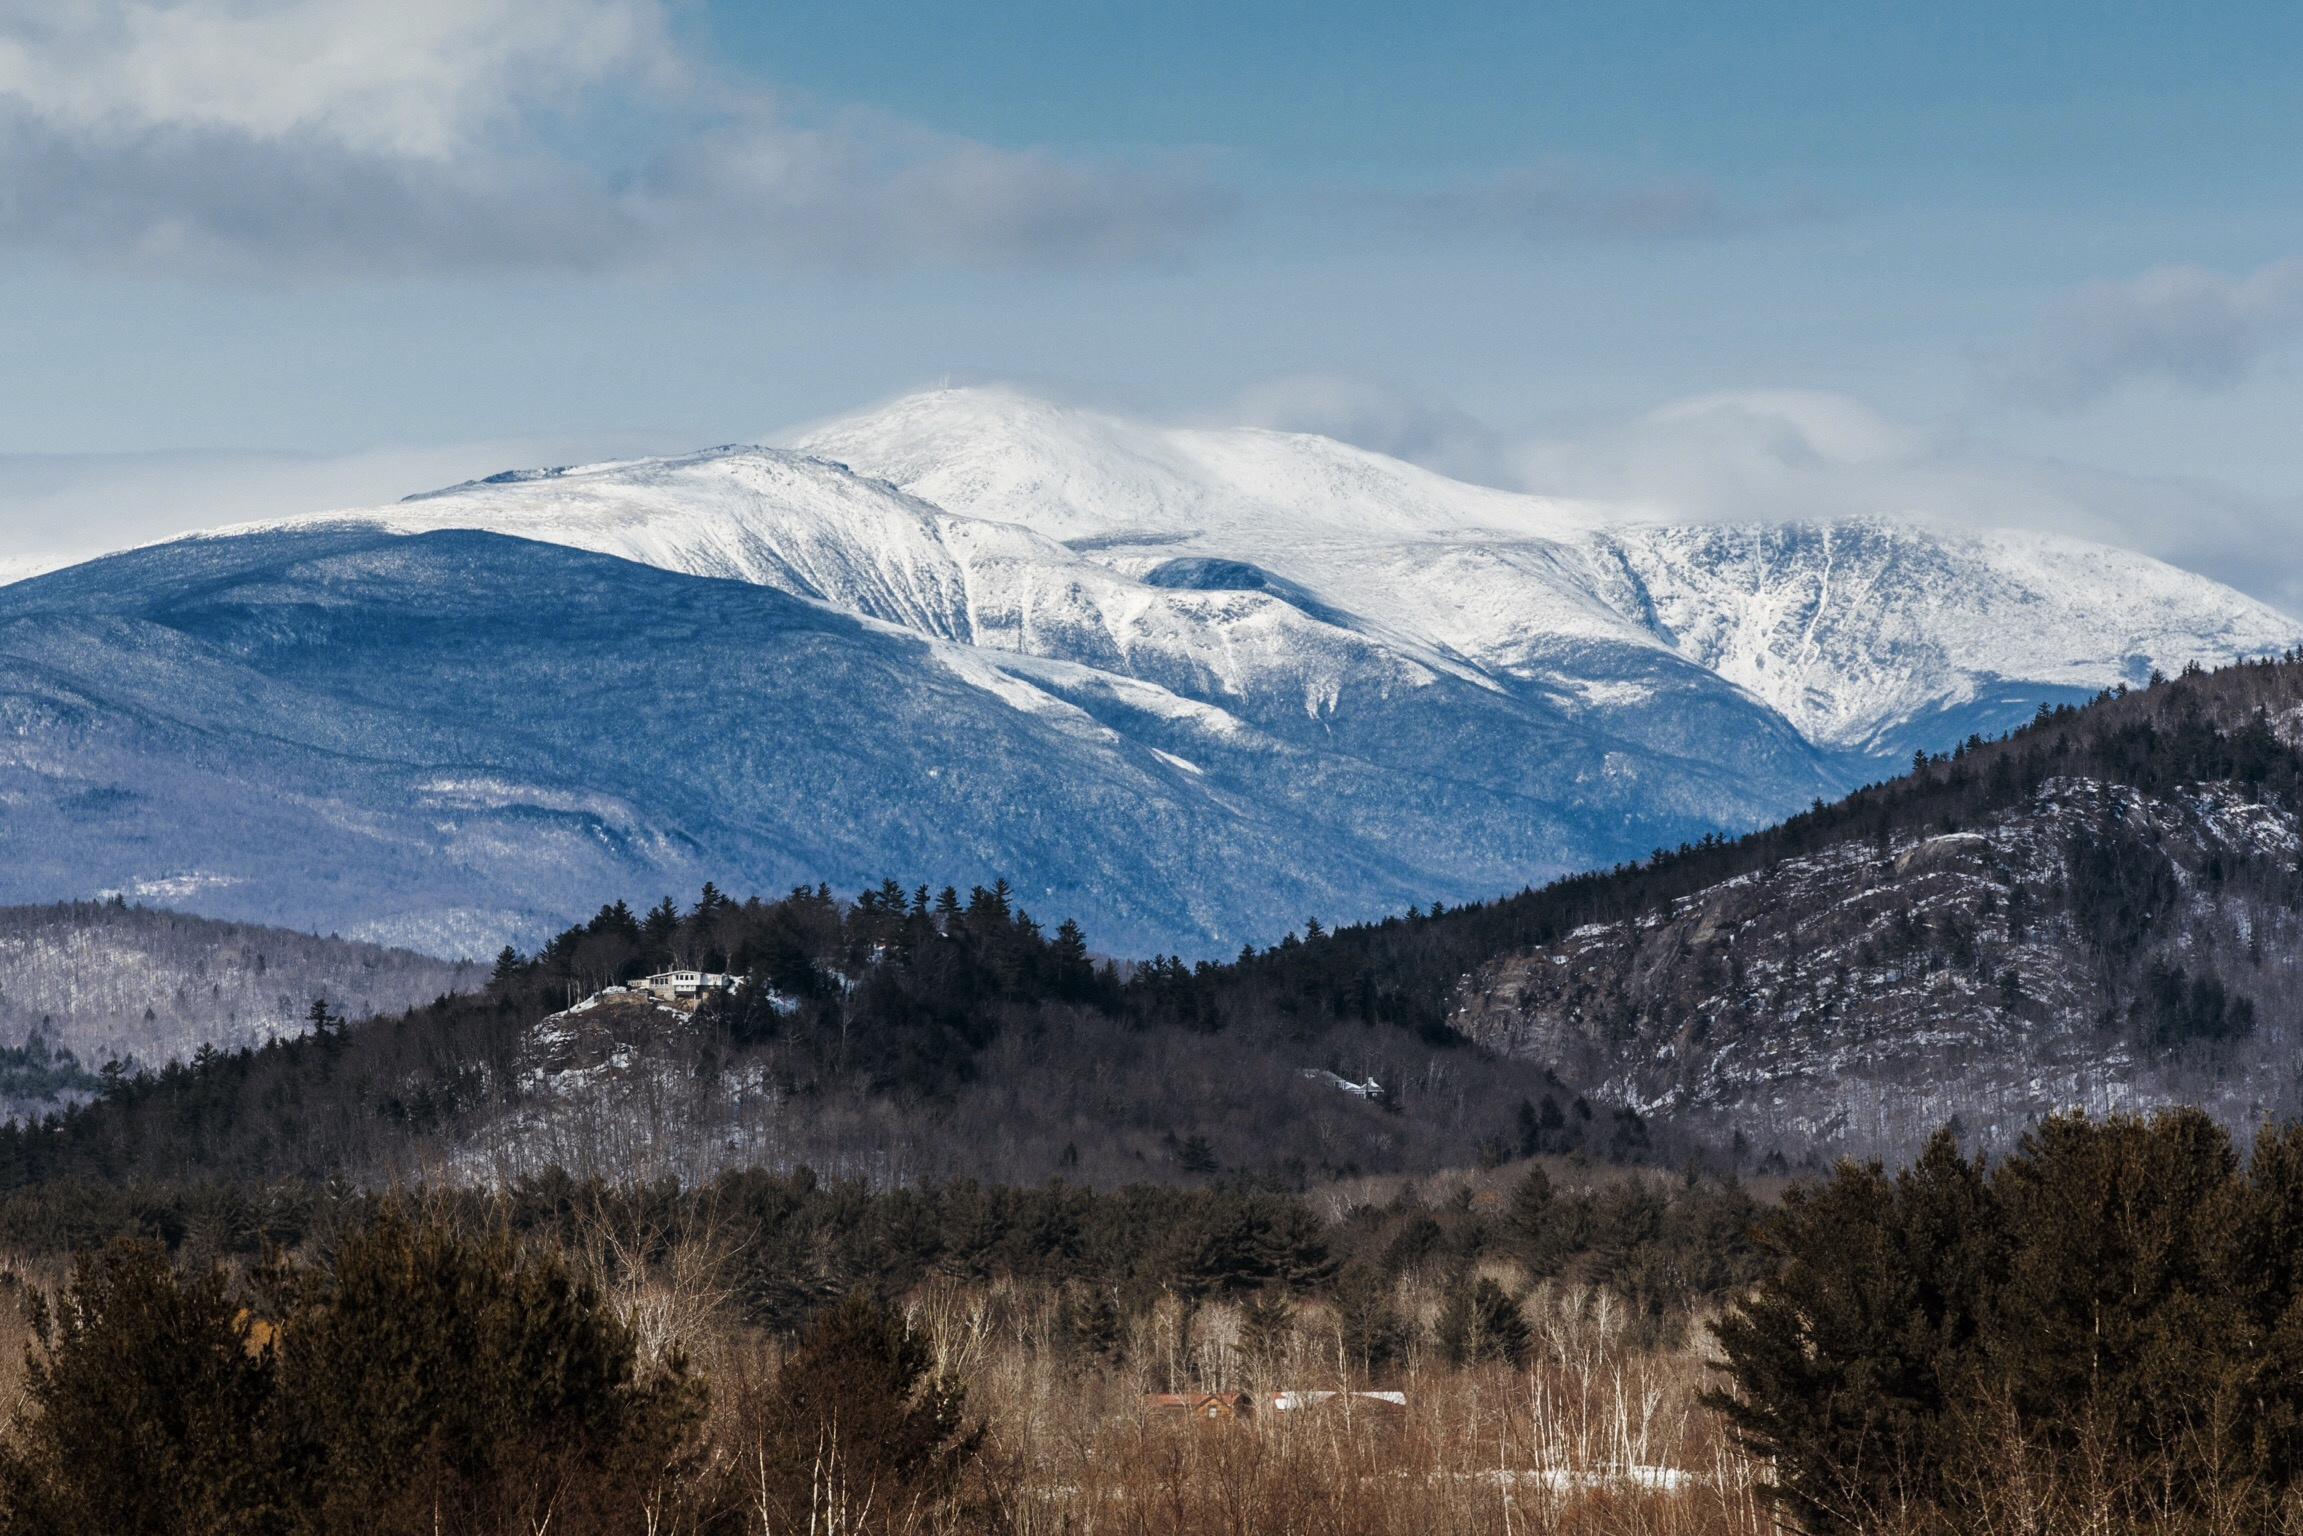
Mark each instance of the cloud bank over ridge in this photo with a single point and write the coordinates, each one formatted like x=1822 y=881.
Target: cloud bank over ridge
x=1787 y=455
x=2183 y=324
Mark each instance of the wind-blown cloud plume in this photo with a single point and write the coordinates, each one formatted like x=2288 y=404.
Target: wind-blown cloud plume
x=359 y=137
x=2184 y=324
x=1766 y=456
x=1378 y=416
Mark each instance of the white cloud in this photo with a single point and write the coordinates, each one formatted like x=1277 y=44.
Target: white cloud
x=2182 y=324
x=867 y=186
x=1379 y=416
x=1764 y=456
x=1793 y=455
x=420 y=79
x=357 y=137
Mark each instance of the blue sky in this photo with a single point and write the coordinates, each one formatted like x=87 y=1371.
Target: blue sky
x=2051 y=256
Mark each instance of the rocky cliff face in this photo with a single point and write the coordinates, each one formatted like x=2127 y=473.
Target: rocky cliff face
x=2097 y=937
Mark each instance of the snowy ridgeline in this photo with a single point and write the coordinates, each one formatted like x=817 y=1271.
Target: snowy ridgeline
x=142 y=984
x=1262 y=574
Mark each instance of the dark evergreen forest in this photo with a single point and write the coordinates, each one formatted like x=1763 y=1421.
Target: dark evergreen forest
x=996 y=1047
x=2103 y=1331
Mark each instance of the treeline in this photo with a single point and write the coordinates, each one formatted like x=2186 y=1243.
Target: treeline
x=2102 y=1332
x=902 y=989
x=785 y=1246
x=907 y=986
x=928 y=1034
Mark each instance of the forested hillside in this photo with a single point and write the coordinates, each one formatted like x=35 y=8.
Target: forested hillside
x=899 y=1036
x=2099 y=908
x=2100 y=911
x=82 y=983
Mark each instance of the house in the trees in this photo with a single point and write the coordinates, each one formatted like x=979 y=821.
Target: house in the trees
x=1218 y=1407
x=673 y=986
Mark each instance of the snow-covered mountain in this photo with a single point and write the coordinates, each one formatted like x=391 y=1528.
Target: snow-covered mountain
x=1200 y=648
x=1197 y=684
x=1263 y=573
x=1871 y=637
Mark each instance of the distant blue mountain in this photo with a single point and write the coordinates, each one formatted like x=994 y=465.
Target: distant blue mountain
x=457 y=739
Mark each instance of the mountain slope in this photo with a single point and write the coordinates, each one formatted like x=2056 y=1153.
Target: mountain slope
x=1217 y=643
x=105 y=979
x=455 y=739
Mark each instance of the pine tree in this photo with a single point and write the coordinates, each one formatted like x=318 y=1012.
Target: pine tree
x=148 y=1407
x=1074 y=974
x=660 y=927
x=860 y=1422
x=1092 y=1324
x=1482 y=1322
x=1528 y=1223
x=424 y=1374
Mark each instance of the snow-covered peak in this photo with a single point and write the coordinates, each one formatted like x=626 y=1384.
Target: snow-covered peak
x=814 y=528
x=1853 y=629
x=762 y=515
